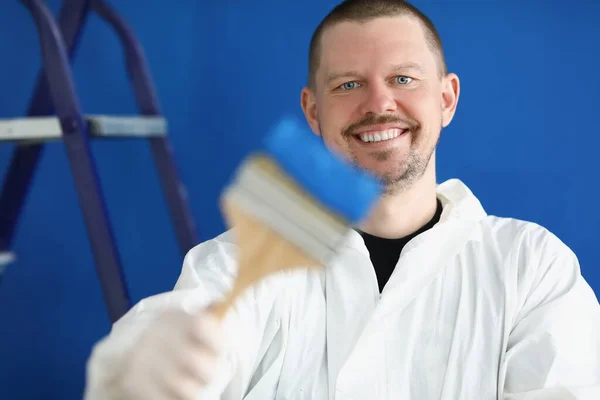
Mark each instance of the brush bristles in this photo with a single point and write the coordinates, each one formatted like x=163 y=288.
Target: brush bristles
x=264 y=191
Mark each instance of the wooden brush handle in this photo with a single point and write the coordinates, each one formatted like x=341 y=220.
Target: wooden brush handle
x=261 y=252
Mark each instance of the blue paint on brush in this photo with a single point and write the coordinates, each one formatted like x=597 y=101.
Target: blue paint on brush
x=336 y=184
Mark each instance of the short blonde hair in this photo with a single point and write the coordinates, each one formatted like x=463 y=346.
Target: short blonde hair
x=366 y=10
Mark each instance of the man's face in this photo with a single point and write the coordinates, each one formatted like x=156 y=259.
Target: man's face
x=379 y=99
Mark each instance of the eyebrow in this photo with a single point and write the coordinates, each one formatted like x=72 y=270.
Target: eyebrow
x=395 y=68
x=408 y=66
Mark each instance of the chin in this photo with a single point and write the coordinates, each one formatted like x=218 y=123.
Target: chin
x=390 y=172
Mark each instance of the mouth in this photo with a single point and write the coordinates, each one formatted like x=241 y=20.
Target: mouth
x=378 y=136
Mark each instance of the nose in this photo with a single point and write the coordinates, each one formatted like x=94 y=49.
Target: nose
x=379 y=99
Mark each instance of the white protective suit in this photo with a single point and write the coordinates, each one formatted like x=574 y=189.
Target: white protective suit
x=478 y=307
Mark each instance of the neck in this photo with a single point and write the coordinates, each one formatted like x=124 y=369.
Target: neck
x=400 y=214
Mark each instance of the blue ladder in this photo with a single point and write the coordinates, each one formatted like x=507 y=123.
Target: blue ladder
x=55 y=114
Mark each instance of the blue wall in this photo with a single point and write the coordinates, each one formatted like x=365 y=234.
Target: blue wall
x=525 y=139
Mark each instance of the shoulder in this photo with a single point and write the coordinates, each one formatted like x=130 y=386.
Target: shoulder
x=212 y=261
x=213 y=253
x=502 y=236
x=212 y=265
x=522 y=259
x=522 y=253
x=524 y=241
x=536 y=266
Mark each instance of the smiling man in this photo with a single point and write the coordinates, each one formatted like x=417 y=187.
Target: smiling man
x=379 y=95
x=431 y=298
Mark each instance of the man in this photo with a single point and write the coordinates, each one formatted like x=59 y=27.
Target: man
x=430 y=299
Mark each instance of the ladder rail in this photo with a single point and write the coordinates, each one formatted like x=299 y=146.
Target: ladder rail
x=148 y=104
x=135 y=60
x=75 y=136
x=26 y=156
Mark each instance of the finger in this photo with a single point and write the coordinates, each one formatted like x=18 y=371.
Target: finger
x=206 y=332
x=181 y=387
x=200 y=365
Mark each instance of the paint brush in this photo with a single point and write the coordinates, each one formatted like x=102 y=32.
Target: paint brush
x=292 y=205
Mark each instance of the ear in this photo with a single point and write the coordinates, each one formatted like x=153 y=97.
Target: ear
x=309 y=106
x=450 y=94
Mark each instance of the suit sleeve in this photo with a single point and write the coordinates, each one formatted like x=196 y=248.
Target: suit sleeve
x=208 y=272
x=553 y=349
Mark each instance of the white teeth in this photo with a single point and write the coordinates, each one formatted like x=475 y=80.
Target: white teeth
x=380 y=136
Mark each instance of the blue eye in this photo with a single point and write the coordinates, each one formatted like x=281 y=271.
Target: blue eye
x=349 y=85
x=403 y=80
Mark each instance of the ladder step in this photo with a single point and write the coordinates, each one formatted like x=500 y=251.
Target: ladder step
x=143 y=126
x=48 y=128
x=5 y=259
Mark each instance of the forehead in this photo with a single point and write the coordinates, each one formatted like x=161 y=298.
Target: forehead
x=374 y=45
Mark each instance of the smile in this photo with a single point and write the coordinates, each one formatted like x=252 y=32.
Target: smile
x=380 y=136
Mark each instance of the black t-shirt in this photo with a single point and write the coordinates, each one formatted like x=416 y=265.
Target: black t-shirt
x=386 y=252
